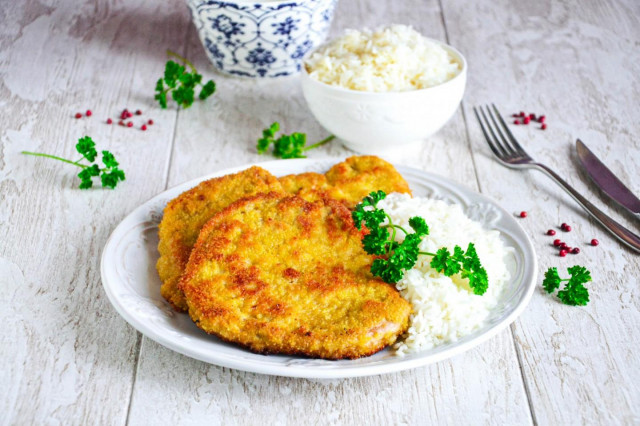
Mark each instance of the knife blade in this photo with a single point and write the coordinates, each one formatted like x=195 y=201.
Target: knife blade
x=606 y=180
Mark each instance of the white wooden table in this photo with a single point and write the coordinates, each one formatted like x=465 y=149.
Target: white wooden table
x=66 y=357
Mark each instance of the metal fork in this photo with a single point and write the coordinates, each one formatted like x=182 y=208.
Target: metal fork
x=510 y=154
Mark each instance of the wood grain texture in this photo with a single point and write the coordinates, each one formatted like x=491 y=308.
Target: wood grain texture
x=68 y=358
x=576 y=62
x=222 y=133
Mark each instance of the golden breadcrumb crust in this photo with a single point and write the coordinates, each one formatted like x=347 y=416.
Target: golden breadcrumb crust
x=185 y=215
x=278 y=274
x=354 y=178
x=309 y=186
x=349 y=181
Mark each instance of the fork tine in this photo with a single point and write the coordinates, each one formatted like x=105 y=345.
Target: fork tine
x=508 y=132
x=498 y=154
x=509 y=147
x=505 y=149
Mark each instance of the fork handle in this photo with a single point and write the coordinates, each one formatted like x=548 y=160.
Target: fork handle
x=623 y=234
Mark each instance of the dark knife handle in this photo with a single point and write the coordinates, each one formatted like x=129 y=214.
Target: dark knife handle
x=623 y=234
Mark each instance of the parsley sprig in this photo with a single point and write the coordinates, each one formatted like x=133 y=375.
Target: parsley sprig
x=286 y=146
x=574 y=292
x=181 y=84
x=397 y=257
x=110 y=174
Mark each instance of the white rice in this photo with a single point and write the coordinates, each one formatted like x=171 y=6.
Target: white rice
x=390 y=59
x=445 y=308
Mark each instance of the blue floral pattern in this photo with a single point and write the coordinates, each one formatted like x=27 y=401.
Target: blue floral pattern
x=302 y=50
x=261 y=57
x=213 y=49
x=226 y=26
x=285 y=27
x=261 y=39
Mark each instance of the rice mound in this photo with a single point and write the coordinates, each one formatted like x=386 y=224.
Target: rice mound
x=395 y=58
x=445 y=308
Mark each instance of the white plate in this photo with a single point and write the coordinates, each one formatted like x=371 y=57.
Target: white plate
x=131 y=282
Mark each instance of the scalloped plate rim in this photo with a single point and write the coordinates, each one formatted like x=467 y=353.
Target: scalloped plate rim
x=295 y=366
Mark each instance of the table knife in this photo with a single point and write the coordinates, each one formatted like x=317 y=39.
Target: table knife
x=606 y=180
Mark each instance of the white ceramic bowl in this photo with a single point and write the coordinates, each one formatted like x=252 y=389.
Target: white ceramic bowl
x=371 y=122
x=260 y=38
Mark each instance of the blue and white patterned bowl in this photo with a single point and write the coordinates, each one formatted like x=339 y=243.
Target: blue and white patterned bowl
x=261 y=39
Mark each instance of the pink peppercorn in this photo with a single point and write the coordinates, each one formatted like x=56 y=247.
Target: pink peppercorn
x=551 y=232
x=576 y=250
x=595 y=242
x=78 y=115
x=526 y=120
x=516 y=122
x=543 y=127
x=109 y=121
x=563 y=253
x=144 y=127
x=130 y=124
x=523 y=214
x=88 y=113
x=138 y=112
x=541 y=119
x=557 y=242
x=150 y=122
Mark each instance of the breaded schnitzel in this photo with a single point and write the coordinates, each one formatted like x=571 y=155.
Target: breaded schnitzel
x=310 y=186
x=282 y=275
x=185 y=215
x=354 y=178
x=349 y=181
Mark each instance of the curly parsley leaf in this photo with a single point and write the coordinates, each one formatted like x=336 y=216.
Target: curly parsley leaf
x=110 y=174
x=109 y=160
x=551 y=280
x=181 y=83
x=478 y=280
x=397 y=257
x=376 y=241
x=207 y=90
x=286 y=146
x=419 y=225
x=406 y=254
x=579 y=274
x=172 y=72
x=290 y=146
x=110 y=179
x=161 y=94
x=87 y=148
x=86 y=176
x=372 y=217
x=444 y=262
x=574 y=292
x=268 y=137
x=388 y=272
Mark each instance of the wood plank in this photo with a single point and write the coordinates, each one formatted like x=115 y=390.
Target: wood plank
x=577 y=62
x=68 y=357
x=222 y=133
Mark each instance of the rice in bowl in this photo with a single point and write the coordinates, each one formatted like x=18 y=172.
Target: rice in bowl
x=445 y=308
x=390 y=59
